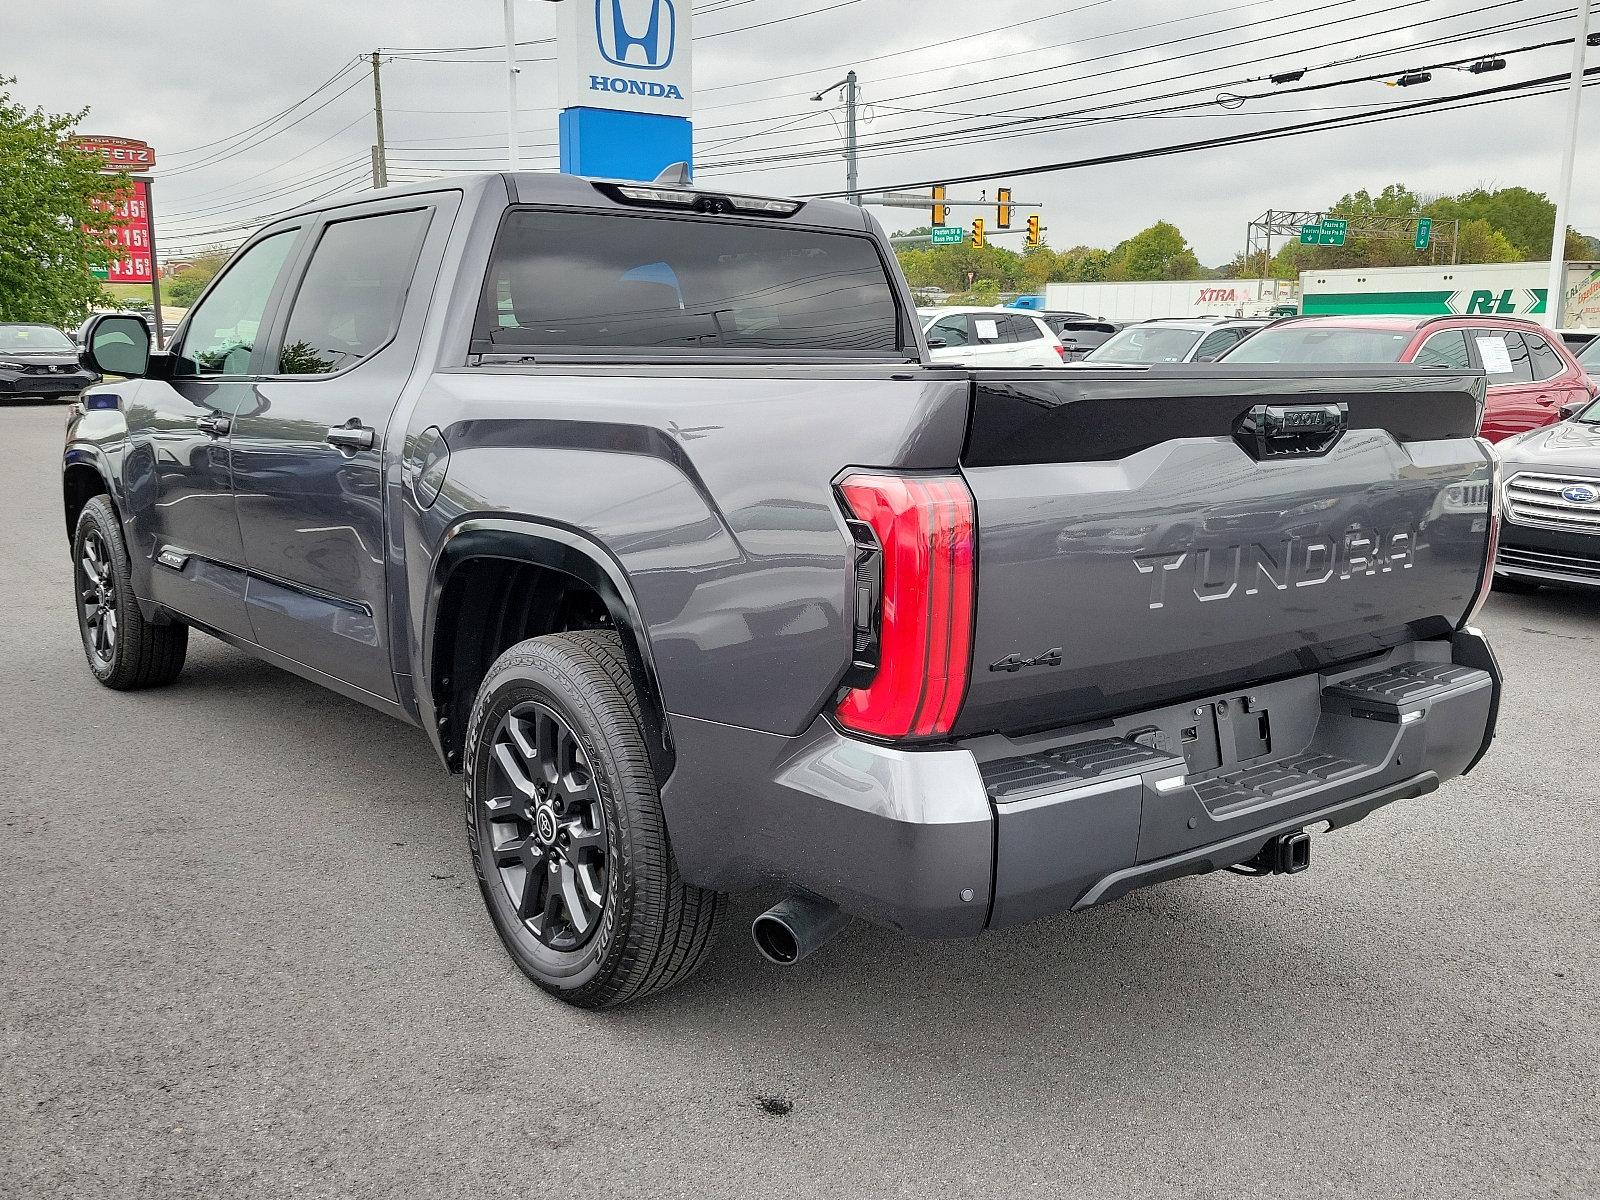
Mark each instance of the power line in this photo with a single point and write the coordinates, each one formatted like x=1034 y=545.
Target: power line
x=950 y=134
x=1491 y=95
x=329 y=82
x=234 y=151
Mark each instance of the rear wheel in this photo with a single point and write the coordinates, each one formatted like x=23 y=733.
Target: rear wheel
x=123 y=649
x=565 y=826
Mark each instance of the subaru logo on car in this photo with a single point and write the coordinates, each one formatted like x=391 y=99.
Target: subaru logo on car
x=640 y=35
x=1579 y=493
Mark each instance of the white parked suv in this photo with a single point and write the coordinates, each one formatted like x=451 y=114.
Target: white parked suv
x=990 y=337
x=1176 y=340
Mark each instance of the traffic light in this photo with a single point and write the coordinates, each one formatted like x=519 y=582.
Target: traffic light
x=977 y=231
x=1002 y=209
x=1033 y=238
x=940 y=212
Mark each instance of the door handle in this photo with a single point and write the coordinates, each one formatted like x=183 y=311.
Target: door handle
x=352 y=436
x=216 y=426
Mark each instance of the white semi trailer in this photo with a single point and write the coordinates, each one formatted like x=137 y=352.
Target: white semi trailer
x=1188 y=298
x=1479 y=289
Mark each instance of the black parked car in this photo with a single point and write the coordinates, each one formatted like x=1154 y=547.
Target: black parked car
x=40 y=360
x=1079 y=335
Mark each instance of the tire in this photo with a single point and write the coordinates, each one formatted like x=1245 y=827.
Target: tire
x=123 y=649
x=559 y=787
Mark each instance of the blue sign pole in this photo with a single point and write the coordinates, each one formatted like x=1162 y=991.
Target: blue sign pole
x=624 y=68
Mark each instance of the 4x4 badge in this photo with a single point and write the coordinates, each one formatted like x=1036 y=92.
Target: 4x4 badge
x=1015 y=662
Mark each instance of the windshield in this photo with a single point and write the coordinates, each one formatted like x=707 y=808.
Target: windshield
x=1314 y=344
x=1589 y=356
x=34 y=337
x=1147 y=344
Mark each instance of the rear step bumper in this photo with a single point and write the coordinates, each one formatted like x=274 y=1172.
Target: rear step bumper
x=1245 y=847
x=947 y=841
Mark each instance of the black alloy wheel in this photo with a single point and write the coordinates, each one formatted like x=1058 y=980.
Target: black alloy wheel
x=546 y=827
x=123 y=648
x=97 y=598
x=566 y=829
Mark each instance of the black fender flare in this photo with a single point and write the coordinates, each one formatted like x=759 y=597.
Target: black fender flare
x=86 y=455
x=569 y=552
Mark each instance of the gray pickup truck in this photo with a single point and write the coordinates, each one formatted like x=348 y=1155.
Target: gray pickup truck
x=645 y=503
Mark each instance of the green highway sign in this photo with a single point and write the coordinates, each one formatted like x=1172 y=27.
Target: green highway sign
x=1424 y=232
x=1330 y=233
x=949 y=235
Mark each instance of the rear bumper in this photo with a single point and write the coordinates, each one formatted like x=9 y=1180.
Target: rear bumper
x=997 y=831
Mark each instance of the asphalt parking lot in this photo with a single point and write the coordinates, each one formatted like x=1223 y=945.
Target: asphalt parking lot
x=244 y=956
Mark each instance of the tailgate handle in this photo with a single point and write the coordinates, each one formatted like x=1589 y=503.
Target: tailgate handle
x=1291 y=430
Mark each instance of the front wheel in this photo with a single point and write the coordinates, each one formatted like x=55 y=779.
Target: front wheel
x=124 y=650
x=565 y=826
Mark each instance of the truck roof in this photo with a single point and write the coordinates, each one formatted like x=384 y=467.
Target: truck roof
x=576 y=191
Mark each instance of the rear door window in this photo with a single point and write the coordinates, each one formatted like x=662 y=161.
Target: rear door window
x=1504 y=356
x=1023 y=329
x=349 y=303
x=986 y=330
x=616 y=282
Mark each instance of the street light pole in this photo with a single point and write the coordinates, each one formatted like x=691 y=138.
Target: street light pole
x=1558 y=236
x=850 y=89
x=513 y=156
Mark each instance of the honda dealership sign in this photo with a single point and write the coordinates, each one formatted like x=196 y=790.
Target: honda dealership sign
x=625 y=86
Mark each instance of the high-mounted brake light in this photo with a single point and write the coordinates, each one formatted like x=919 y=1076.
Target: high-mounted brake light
x=671 y=197
x=710 y=202
x=921 y=618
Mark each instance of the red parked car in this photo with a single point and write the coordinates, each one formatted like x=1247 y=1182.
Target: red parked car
x=1533 y=378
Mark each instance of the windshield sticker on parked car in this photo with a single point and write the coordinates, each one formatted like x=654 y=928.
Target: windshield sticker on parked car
x=1496 y=358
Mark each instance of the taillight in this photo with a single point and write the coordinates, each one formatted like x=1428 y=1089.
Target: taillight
x=1061 y=352
x=921 y=619
x=1486 y=584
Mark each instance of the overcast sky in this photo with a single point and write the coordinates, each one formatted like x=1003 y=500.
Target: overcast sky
x=187 y=73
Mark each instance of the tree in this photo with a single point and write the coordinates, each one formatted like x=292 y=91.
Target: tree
x=186 y=284
x=54 y=214
x=1155 y=253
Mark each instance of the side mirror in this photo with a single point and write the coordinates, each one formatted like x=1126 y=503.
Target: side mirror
x=1573 y=407
x=116 y=344
x=936 y=343
x=1207 y=358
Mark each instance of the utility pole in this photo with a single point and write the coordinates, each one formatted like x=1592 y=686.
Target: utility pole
x=850 y=93
x=513 y=151
x=1558 y=236
x=380 y=157
x=851 y=90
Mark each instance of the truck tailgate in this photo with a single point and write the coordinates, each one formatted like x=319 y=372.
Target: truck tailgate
x=1154 y=534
